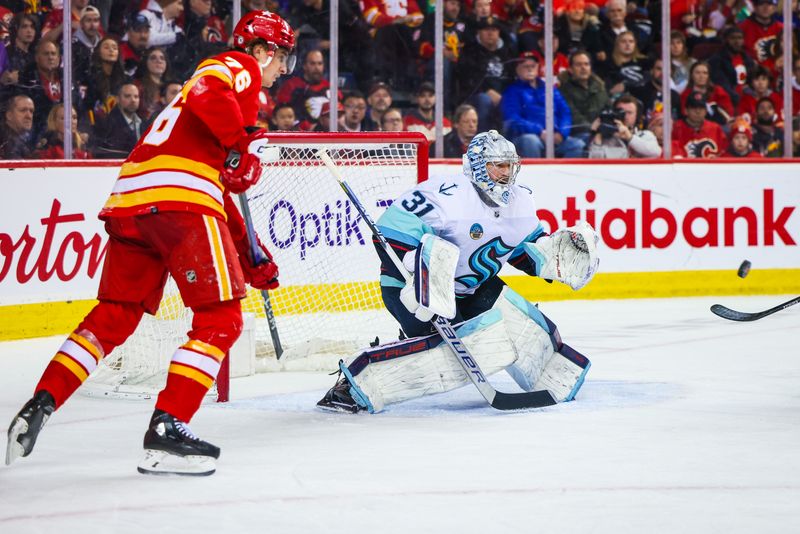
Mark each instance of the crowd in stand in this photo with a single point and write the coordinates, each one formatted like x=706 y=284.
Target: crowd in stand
x=130 y=58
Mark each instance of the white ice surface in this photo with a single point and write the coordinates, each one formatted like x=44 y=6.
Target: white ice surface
x=687 y=423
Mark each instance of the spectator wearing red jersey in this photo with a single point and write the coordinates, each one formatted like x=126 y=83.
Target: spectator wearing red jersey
x=134 y=43
x=694 y=136
x=759 y=86
x=796 y=86
x=741 y=141
x=720 y=107
x=393 y=25
x=731 y=66
x=762 y=31
x=307 y=92
x=421 y=118
x=51 y=145
x=324 y=124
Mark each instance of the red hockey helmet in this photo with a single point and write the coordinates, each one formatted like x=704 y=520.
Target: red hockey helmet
x=264 y=25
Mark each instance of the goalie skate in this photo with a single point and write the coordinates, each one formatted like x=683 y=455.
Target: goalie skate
x=25 y=427
x=170 y=448
x=339 y=398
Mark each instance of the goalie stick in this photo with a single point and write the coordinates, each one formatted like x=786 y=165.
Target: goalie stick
x=733 y=315
x=259 y=258
x=496 y=399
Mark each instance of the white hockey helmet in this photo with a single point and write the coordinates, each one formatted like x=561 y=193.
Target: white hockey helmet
x=485 y=153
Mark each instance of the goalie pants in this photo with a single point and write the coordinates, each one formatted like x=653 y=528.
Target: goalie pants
x=198 y=252
x=467 y=306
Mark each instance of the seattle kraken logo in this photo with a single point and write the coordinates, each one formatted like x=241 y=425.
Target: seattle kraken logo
x=485 y=262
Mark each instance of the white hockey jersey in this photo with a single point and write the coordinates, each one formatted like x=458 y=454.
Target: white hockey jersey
x=452 y=209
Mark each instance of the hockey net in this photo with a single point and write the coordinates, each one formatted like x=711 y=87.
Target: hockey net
x=328 y=304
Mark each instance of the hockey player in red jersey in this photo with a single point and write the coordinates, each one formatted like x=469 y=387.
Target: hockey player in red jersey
x=170 y=212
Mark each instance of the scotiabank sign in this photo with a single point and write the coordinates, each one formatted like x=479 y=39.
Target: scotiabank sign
x=651 y=217
x=672 y=217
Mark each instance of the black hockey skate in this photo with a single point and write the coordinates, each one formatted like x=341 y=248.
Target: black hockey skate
x=25 y=427
x=339 y=399
x=170 y=448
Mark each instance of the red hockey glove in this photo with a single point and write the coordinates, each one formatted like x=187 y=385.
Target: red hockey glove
x=243 y=164
x=262 y=274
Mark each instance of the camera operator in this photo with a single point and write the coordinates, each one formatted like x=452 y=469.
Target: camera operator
x=618 y=133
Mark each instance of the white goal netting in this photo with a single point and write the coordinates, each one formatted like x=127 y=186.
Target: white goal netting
x=328 y=305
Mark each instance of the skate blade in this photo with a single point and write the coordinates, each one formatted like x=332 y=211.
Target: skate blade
x=14 y=448
x=164 y=464
x=336 y=408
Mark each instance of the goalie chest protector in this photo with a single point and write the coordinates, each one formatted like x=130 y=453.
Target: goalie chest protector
x=453 y=210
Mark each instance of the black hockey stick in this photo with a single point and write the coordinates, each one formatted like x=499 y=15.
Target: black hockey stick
x=497 y=399
x=733 y=315
x=258 y=259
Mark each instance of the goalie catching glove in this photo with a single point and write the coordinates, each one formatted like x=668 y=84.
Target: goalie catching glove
x=432 y=288
x=260 y=272
x=243 y=164
x=569 y=255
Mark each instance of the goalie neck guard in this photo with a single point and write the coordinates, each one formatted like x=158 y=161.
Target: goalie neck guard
x=483 y=164
x=264 y=27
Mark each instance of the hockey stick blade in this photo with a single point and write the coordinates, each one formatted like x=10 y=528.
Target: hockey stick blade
x=733 y=315
x=496 y=399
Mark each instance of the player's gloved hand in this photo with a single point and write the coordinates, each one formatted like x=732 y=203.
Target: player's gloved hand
x=261 y=273
x=408 y=295
x=569 y=255
x=243 y=168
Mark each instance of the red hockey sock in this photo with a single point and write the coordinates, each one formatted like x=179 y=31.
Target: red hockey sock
x=195 y=364
x=105 y=327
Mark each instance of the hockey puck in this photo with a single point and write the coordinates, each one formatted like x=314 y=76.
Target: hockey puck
x=744 y=269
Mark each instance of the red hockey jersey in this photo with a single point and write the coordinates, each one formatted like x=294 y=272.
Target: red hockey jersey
x=761 y=41
x=708 y=141
x=380 y=13
x=175 y=166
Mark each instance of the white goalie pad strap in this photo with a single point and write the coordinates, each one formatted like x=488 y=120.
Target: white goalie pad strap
x=422 y=366
x=433 y=289
x=569 y=255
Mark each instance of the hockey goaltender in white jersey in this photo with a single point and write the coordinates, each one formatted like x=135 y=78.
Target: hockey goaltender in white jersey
x=454 y=235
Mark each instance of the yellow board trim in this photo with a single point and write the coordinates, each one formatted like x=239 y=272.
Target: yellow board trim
x=70 y=364
x=46 y=319
x=191 y=374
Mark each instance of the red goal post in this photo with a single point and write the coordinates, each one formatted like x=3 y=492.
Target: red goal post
x=328 y=305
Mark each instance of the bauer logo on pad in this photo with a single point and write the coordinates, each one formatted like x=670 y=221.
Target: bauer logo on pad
x=476 y=231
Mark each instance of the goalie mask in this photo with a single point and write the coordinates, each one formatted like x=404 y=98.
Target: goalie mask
x=492 y=163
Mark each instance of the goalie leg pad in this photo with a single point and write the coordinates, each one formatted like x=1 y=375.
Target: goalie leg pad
x=543 y=360
x=422 y=366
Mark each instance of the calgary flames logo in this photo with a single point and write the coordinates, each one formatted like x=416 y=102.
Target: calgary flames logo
x=701 y=148
x=765 y=48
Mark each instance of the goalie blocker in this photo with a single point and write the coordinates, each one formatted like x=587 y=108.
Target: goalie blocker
x=514 y=335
